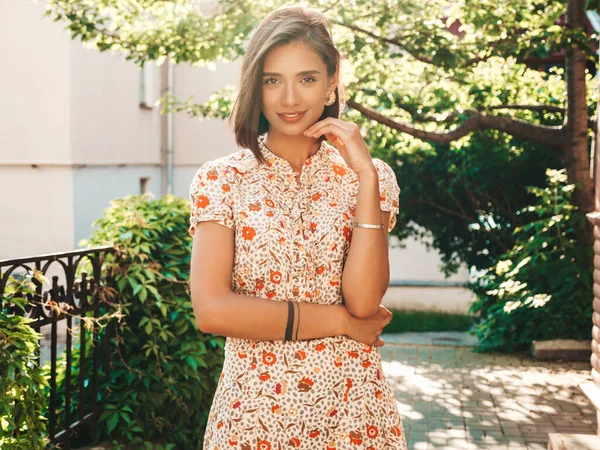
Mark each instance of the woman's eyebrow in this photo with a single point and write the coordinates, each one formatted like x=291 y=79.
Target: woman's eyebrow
x=305 y=72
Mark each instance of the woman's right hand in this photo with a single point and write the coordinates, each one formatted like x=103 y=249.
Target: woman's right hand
x=369 y=329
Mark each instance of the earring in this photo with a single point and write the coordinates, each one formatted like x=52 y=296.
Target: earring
x=330 y=98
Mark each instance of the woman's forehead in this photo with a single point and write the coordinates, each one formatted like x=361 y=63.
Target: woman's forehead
x=291 y=59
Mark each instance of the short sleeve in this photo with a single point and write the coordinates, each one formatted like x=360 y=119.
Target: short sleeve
x=389 y=191
x=211 y=196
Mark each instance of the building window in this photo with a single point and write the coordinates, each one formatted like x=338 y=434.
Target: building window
x=146 y=97
x=144 y=185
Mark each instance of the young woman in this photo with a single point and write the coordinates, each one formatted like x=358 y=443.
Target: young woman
x=290 y=256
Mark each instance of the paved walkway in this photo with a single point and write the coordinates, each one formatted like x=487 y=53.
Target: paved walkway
x=453 y=398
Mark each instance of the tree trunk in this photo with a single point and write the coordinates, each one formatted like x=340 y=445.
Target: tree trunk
x=575 y=154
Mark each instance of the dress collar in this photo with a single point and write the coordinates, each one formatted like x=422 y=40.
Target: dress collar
x=278 y=162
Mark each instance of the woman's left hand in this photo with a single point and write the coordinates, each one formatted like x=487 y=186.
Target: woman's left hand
x=347 y=139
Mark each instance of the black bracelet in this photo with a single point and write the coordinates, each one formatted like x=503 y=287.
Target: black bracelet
x=290 y=322
x=298 y=327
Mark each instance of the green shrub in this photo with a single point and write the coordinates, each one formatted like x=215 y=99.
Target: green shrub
x=164 y=371
x=22 y=401
x=541 y=288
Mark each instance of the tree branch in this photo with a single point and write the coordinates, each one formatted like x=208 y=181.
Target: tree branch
x=551 y=136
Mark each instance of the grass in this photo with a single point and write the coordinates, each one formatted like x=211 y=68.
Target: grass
x=407 y=320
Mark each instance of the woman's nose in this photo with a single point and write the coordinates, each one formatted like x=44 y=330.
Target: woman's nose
x=290 y=96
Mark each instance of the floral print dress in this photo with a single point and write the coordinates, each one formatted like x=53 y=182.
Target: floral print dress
x=291 y=241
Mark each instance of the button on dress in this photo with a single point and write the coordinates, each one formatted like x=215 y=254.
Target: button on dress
x=291 y=241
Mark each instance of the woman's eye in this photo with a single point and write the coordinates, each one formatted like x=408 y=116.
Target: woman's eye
x=305 y=79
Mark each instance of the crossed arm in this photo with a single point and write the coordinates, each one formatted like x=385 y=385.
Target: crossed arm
x=366 y=273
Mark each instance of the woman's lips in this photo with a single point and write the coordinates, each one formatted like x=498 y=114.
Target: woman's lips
x=290 y=118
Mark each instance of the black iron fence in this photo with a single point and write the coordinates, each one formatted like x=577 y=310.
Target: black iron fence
x=80 y=291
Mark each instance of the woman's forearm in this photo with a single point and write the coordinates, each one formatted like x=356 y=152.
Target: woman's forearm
x=240 y=316
x=366 y=272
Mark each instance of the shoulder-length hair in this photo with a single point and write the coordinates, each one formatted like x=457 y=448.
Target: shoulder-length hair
x=282 y=26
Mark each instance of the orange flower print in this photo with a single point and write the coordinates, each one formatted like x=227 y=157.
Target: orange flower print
x=316 y=196
x=372 y=431
x=313 y=227
x=202 y=201
x=305 y=384
x=281 y=240
x=378 y=395
x=233 y=440
x=281 y=387
x=260 y=284
x=338 y=361
x=353 y=354
x=270 y=214
x=225 y=187
x=295 y=291
x=255 y=206
x=396 y=430
x=347 y=234
x=331 y=446
x=367 y=348
x=220 y=425
x=356 y=437
x=235 y=404
x=366 y=363
x=248 y=233
x=314 y=433
x=339 y=170
x=264 y=376
x=335 y=280
x=276 y=409
x=263 y=445
x=275 y=276
x=212 y=175
x=320 y=270
x=294 y=442
x=269 y=203
x=300 y=354
x=320 y=347
x=271 y=293
x=243 y=215
x=242 y=355
x=332 y=412
x=269 y=358
x=348 y=383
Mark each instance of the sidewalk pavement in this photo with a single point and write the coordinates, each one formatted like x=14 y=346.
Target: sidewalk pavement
x=452 y=398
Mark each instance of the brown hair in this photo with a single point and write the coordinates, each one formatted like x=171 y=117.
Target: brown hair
x=282 y=26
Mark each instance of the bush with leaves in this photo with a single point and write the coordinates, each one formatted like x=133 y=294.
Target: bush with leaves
x=541 y=288
x=164 y=371
x=22 y=401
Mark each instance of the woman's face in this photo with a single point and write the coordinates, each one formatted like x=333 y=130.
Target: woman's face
x=294 y=81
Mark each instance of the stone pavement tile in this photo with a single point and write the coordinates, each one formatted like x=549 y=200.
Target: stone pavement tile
x=541 y=445
x=508 y=401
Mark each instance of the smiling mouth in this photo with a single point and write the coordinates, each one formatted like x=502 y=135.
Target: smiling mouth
x=292 y=115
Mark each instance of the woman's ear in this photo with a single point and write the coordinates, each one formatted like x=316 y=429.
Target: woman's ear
x=334 y=79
